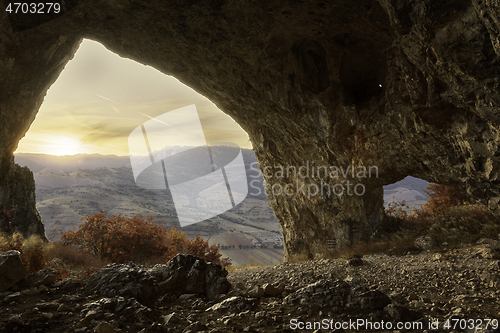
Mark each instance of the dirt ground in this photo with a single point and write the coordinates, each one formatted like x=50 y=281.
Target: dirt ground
x=459 y=286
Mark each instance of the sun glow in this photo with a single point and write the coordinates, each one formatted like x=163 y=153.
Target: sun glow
x=63 y=146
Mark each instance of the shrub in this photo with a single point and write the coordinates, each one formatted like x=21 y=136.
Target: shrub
x=71 y=256
x=448 y=216
x=32 y=250
x=199 y=247
x=443 y=197
x=116 y=238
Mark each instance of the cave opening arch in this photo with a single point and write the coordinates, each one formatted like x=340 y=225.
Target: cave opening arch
x=92 y=107
x=426 y=105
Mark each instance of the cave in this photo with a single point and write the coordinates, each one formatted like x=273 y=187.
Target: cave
x=408 y=87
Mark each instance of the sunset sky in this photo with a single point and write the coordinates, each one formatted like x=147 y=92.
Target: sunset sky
x=100 y=98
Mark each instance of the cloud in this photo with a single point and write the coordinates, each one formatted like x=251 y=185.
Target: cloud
x=104 y=131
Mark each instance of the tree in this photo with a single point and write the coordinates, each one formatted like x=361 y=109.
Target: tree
x=443 y=197
x=200 y=248
x=116 y=238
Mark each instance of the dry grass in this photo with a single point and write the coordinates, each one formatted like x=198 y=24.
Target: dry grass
x=31 y=249
x=458 y=225
x=253 y=264
x=237 y=268
x=37 y=254
x=71 y=256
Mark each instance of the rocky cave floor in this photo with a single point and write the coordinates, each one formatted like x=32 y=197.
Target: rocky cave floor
x=458 y=285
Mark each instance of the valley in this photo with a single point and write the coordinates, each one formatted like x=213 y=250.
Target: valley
x=70 y=187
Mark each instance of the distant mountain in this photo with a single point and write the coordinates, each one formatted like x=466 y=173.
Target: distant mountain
x=38 y=162
x=66 y=192
x=410 y=183
x=25 y=160
x=411 y=190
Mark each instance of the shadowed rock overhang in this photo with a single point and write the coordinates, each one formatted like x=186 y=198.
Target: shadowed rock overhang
x=407 y=86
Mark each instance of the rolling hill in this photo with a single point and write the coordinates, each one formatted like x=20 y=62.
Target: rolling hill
x=69 y=187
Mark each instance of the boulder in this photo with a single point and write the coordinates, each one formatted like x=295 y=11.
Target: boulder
x=493 y=244
x=105 y=327
x=425 y=243
x=233 y=304
x=126 y=280
x=486 y=252
x=256 y=292
x=183 y=274
x=44 y=277
x=12 y=269
x=272 y=290
x=355 y=261
x=186 y=273
x=174 y=319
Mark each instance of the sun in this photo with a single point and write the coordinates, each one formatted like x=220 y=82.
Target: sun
x=63 y=146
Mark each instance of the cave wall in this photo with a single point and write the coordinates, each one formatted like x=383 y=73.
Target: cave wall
x=30 y=62
x=408 y=87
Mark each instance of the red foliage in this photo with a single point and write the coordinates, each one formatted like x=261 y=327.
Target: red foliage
x=200 y=248
x=34 y=258
x=120 y=239
x=443 y=197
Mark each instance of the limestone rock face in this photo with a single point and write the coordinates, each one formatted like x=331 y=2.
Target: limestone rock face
x=30 y=62
x=186 y=273
x=11 y=268
x=181 y=275
x=19 y=190
x=406 y=87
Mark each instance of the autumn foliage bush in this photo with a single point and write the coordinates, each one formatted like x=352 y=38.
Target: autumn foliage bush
x=32 y=249
x=102 y=239
x=447 y=216
x=442 y=198
x=116 y=238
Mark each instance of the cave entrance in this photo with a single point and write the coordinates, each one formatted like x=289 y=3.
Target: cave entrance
x=84 y=123
x=78 y=149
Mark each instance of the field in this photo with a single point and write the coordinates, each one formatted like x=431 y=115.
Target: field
x=254 y=257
